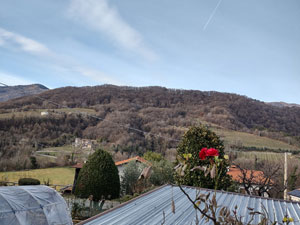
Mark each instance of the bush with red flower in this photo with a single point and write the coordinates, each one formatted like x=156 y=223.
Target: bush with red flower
x=206 y=204
x=201 y=162
x=204 y=153
x=201 y=153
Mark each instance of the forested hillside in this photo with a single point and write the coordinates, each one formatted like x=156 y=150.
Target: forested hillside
x=155 y=110
x=228 y=110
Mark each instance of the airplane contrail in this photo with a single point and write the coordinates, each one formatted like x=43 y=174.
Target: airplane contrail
x=212 y=15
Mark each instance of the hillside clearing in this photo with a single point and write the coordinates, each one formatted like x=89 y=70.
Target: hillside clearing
x=236 y=138
x=37 y=112
x=58 y=176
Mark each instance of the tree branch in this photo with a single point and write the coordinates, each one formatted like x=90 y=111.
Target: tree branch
x=203 y=213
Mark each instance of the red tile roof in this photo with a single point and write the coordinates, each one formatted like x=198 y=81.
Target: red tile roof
x=137 y=158
x=236 y=174
x=78 y=165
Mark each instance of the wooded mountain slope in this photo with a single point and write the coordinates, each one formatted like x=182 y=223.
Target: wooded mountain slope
x=228 y=110
x=155 y=110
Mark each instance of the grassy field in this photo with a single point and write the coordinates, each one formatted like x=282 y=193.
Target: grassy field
x=66 y=148
x=63 y=151
x=268 y=156
x=37 y=112
x=231 y=137
x=60 y=176
x=271 y=157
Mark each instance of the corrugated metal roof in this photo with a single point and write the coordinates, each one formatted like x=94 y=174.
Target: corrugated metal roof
x=295 y=193
x=149 y=208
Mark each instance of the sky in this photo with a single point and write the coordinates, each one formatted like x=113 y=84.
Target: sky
x=248 y=47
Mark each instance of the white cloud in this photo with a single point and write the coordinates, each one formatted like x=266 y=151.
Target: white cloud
x=11 y=79
x=98 y=15
x=19 y=42
x=10 y=39
x=98 y=76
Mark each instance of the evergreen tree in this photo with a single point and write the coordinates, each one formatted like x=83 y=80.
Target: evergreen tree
x=98 y=177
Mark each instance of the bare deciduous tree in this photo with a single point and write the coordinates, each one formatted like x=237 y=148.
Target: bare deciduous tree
x=259 y=182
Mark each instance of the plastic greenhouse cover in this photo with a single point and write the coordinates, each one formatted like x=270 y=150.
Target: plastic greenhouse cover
x=32 y=205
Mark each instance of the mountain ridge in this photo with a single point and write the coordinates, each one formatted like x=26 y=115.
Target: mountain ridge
x=160 y=116
x=229 y=110
x=283 y=104
x=12 y=92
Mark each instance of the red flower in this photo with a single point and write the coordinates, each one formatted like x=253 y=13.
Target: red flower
x=212 y=152
x=202 y=153
x=208 y=152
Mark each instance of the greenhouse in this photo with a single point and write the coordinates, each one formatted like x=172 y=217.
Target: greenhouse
x=32 y=205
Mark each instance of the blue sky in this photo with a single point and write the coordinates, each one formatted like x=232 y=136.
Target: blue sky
x=249 y=47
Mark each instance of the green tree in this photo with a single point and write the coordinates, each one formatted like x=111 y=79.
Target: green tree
x=193 y=141
x=152 y=156
x=162 y=172
x=293 y=179
x=130 y=176
x=34 y=163
x=98 y=177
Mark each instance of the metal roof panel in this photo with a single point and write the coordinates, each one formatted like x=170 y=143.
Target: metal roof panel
x=152 y=208
x=295 y=193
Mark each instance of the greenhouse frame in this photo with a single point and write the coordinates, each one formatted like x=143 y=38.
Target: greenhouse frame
x=32 y=205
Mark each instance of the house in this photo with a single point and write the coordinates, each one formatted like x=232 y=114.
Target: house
x=237 y=175
x=154 y=207
x=294 y=195
x=255 y=177
x=120 y=165
x=85 y=143
x=44 y=113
